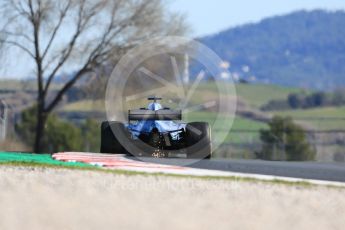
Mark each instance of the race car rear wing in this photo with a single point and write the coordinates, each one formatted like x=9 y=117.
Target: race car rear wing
x=144 y=114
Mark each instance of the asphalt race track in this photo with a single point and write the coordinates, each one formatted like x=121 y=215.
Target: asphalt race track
x=305 y=170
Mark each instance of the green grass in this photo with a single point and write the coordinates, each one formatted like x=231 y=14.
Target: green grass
x=10 y=84
x=239 y=123
x=248 y=137
x=84 y=106
x=15 y=84
x=257 y=95
x=14 y=157
x=326 y=112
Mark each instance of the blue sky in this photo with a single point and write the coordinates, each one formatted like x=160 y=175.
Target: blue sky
x=211 y=16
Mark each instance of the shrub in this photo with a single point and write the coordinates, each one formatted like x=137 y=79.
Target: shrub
x=91 y=135
x=284 y=140
x=59 y=135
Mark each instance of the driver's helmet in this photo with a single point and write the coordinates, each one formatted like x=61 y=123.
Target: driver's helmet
x=154 y=106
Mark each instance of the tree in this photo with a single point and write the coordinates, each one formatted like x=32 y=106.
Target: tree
x=84 y=34
x=320 y=99
x=91 y=136
x=285 y=140
x=339 y=97
x=296 y=100
x=60 y=135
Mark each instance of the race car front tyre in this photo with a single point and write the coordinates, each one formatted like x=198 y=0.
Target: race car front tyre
x=198 y=140
x=109 y=142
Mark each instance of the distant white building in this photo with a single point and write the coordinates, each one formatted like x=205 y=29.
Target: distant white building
x=224 y=65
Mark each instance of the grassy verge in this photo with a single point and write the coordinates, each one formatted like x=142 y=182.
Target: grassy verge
x=318 y=113
x=257 y=95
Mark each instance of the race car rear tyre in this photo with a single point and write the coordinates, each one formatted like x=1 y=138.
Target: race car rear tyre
x=109 y=142
x=198 y=140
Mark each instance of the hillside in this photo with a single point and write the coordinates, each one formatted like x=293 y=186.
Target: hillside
x=302 y=49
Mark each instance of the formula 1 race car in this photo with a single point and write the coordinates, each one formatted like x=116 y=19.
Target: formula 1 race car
x=156 y=131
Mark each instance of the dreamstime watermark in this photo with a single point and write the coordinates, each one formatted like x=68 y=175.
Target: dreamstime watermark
x=202 y=185
x=186 y=74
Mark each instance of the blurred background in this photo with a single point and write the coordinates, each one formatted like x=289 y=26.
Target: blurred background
x=287 y=59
